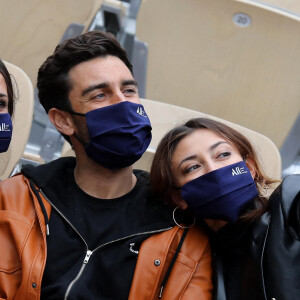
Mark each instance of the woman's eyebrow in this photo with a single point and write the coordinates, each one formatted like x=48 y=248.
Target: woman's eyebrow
x=211 y=148
x=214 y=146
x=187 y=158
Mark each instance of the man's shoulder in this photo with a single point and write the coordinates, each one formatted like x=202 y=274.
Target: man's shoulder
x=141 y=175
x=149 y=204
x=11 y=183
x=43 y=174
x=15 y=196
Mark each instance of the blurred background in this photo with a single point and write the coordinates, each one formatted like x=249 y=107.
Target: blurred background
x=233 y=59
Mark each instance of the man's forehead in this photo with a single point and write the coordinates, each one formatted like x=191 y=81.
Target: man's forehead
x=109 y=69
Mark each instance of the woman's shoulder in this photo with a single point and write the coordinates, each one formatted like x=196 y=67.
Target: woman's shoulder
x=287 y=192
x=196 y=243
x=284 y=205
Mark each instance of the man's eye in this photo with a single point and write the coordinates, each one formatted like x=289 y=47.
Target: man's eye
x=130 y=91
x=99 y=96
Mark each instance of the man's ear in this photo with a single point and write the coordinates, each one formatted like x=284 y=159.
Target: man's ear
x=62 y=121
x=251 y=166
x=178 y=201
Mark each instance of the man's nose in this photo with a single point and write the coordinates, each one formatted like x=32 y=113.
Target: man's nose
x=118 y=97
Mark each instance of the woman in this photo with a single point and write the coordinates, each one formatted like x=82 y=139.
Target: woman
x=212 y=171
x=6 y=107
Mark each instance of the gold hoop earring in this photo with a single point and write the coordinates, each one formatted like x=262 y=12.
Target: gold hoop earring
x=184 y=227
x=266 y=192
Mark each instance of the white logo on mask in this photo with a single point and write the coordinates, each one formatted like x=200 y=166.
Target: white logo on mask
x=238 y=171
x=141 y=112
x=4 y=127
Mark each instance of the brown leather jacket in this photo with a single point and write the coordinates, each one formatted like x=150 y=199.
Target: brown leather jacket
x=23 y=253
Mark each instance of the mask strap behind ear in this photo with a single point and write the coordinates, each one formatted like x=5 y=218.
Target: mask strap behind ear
x=77 y=114
x=76 y=136
x=74 y=113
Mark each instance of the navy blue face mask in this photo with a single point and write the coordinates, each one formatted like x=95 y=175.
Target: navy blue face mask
x=119 y=134
x=220 y=194
x=5 y=131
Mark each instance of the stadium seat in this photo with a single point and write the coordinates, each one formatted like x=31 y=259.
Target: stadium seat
x=237 y=60
x=22 y=120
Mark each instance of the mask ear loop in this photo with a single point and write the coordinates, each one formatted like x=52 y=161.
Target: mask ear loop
x=184 y=227
x=74 y=113
x=77 y=137
x=80 y=115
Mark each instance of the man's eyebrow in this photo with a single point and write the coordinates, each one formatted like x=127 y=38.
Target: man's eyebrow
x=94 y=87
x=129 y=82
x=3 y=95
x=105 y=85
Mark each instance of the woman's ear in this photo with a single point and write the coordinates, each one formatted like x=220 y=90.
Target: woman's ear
x=178 y=201
x=62 y=121
x=251 y=166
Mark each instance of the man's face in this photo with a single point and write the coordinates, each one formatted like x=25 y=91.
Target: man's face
x=97 y=83
x=101 y=82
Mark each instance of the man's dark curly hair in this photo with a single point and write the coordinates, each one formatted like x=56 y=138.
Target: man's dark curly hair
x=53 y=81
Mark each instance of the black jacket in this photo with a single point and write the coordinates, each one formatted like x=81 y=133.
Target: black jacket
x=261 y=261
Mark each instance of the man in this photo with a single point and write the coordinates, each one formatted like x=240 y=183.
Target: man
x=74 y=227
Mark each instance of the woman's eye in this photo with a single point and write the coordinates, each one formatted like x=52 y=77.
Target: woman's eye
x=192 y=168
x=224 y=154
x=3 y=103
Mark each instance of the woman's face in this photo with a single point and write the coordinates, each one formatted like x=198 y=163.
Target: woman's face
x=201 y=152
x=3 y=95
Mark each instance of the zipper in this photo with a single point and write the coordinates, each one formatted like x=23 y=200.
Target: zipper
x=261 y=261
x=85 y=261
x=89 y=252
x=62 y=215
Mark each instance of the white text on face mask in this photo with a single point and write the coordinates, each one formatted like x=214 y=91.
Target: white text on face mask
x=238 y=171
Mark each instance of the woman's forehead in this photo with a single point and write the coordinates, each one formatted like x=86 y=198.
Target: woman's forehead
x=3 y=87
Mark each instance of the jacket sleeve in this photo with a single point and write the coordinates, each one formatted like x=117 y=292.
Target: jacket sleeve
x=22 y=245
x=191 y=275
x=14 y=228
x=200 y=286
x=289 y=196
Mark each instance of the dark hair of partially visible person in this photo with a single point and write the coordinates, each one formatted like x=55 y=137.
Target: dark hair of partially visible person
x=9 y=86
x=161 y=177
x=53 y=81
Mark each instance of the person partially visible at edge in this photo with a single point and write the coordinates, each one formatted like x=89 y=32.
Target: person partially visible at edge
x=7 y=99
x=211 y=171
x=88 y=227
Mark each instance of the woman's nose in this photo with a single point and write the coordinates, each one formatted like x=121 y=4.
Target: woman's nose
x=210 y=166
